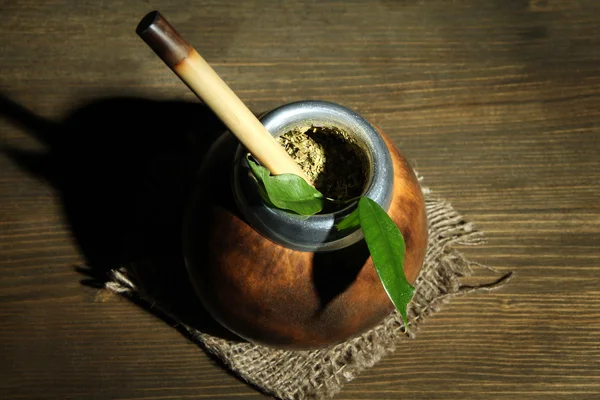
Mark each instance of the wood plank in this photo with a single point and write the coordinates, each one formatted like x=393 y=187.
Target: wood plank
x=496 y=103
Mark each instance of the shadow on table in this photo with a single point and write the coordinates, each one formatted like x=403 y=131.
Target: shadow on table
x=123 y=167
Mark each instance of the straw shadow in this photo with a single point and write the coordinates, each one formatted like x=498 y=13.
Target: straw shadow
x=123 y=168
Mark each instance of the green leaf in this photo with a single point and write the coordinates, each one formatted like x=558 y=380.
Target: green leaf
x=287 y=191
x=350 y=221
x=387 y=248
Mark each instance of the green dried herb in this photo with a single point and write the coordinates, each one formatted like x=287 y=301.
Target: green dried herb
x=331 y=158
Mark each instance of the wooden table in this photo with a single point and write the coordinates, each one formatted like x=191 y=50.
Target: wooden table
x=496 y=102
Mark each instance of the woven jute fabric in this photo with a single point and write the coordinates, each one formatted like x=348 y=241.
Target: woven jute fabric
x=320 y=374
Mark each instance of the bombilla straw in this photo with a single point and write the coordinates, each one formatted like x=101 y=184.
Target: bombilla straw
x=195 y=72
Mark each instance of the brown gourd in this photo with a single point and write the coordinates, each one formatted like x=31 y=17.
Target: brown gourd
x=265 y=292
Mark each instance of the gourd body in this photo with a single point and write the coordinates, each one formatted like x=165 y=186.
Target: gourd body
x=270 y=294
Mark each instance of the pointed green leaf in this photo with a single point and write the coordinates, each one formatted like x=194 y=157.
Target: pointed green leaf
x=387 y=248
x=287 y=191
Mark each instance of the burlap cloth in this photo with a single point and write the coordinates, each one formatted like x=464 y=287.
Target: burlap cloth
x=320 y=374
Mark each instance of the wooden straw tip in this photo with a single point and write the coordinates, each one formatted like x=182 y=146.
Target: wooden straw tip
x=156 y=31
x=147 y=21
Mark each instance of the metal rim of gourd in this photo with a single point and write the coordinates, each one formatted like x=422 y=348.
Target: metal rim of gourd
x=317 y=232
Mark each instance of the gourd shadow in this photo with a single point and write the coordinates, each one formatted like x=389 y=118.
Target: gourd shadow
x=123 y=168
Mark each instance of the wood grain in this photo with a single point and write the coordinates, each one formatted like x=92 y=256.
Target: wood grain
x=497 y=104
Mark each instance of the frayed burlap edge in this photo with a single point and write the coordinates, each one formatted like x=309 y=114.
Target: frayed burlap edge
x=320 y=374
